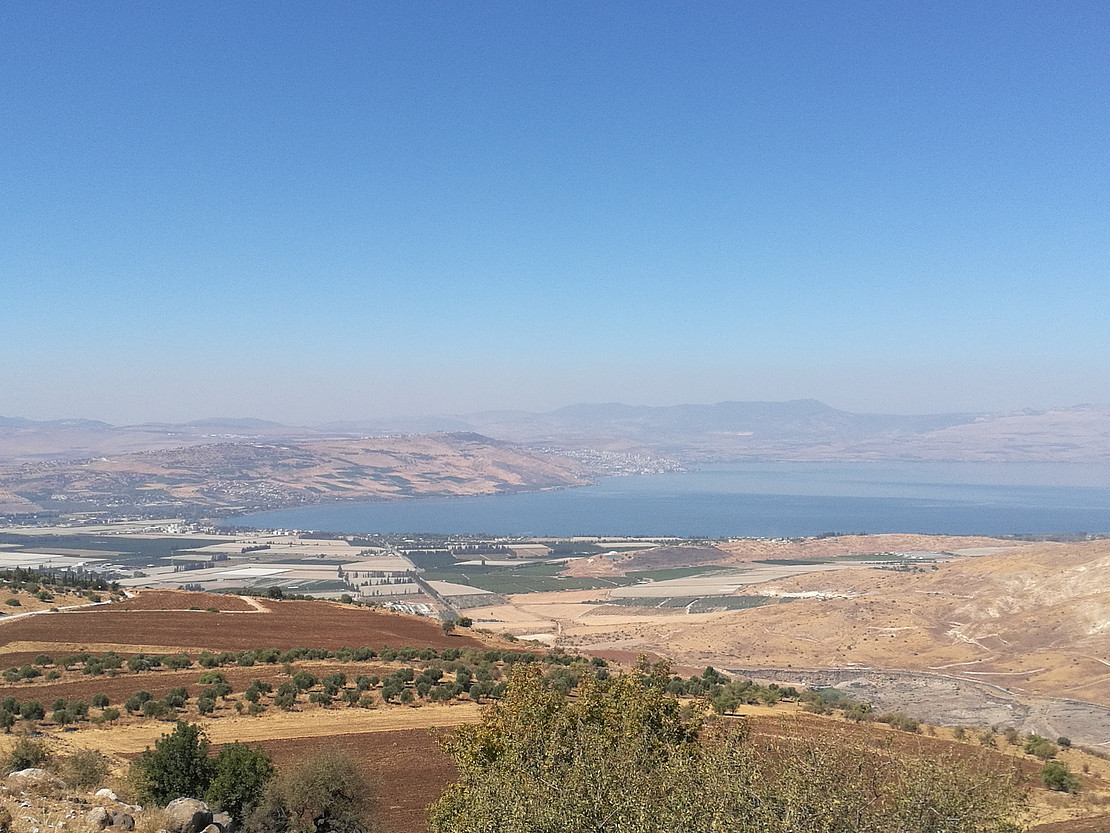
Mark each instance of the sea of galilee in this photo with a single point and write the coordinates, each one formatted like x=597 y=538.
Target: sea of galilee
x=757 y=500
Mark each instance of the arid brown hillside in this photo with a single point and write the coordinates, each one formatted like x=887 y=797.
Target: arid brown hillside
x=267 y=475
x=772 y=549
x=1035 y=620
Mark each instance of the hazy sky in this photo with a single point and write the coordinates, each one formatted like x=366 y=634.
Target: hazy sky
x=315 y=211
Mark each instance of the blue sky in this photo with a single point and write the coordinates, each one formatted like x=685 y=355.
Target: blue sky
x=323 y=211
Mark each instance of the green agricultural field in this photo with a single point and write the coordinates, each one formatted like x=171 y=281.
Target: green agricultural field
x=117 y=548
x=528 y=578
x=700 y=604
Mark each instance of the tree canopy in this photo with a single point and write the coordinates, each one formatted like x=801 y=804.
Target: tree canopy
x=627 y=755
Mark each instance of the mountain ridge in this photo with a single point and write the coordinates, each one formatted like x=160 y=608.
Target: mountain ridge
x=803 y=429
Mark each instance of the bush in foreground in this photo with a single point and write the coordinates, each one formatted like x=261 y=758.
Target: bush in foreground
x=325 y=794
x=626 y=755
x=179 y=766
x=27 y=752
x=86 y=768
x=241 y=775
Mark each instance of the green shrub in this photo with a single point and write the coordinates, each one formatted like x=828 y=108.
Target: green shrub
x=304 y=680
x=87 y=768
x=899 y=721
x=27 y=752
x=176 y=697
x=627 y=755
x=155 y=708
x=241 y=775
x=63 y=717
x=177 y=766
x=1057 y=776
x=1042 y=748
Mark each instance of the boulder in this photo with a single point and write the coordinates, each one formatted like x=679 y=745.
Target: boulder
x=222 y=820
x=187 y=815
x=35 y=778
x=213 y=828
x=123 y=821
x=106 y=793
x=98 y=818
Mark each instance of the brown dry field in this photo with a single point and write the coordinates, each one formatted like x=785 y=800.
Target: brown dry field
x=288 y=624
x=174 y=600
x=408 y=770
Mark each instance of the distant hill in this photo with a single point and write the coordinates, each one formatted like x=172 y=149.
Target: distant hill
x=798 y=430
x=220 y=477
x=803 y=429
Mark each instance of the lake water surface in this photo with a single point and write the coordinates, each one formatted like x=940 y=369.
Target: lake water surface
x=755 y=499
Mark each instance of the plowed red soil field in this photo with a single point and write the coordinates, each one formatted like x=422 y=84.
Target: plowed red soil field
x=172 y=600
x=287 y=625
x=408 y=770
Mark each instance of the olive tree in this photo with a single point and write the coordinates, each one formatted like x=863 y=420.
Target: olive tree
x=177 y=766
x=628 y=755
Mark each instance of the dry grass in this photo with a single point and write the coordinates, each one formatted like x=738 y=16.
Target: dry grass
x=133 y=738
